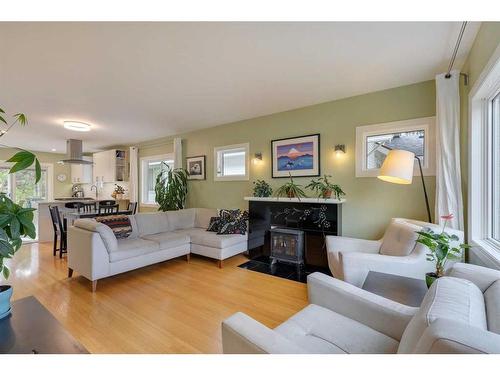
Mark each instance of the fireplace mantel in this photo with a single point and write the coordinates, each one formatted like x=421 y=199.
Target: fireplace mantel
x=295 y=200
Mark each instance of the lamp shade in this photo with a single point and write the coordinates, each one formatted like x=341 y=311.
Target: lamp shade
x=398 y=167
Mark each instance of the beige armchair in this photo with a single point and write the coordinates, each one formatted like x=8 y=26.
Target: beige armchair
x=350 y=259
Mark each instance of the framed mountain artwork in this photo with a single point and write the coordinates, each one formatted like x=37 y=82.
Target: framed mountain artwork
x=298 y=156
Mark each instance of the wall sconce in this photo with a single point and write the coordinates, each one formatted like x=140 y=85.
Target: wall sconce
x=339 y=150
x=257 y=159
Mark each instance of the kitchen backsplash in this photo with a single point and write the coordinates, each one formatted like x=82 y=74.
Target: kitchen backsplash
x=105 y=192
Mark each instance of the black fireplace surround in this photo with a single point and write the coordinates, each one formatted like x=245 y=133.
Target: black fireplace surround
x=316 y=220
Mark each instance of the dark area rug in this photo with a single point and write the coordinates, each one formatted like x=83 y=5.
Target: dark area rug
x=262 y=264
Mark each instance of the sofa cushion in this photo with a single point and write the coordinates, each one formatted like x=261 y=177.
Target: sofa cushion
x=202 y=237
x=128 y=248
x=135 y=230
x=181 y=219
x=151 y=223
x=492 y=301
x=214 y=224
x=119 y=224
x=105 y=232
x=202 y=217
x=168 y=240
x=399 y=239
x=448 y=298
x=319 y=330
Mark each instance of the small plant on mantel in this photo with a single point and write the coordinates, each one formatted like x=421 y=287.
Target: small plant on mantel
x=290 y=190
x=262 y=189
x=324 y=188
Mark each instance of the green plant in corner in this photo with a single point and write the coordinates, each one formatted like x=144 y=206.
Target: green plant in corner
x=171 y=188
x=290 y=190
x=15 y=221
x=262 y=189
x=324 y=188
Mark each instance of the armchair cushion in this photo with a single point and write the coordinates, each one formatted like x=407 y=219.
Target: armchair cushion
x=447 y=298
x=399 y=239
x=492 y=301
x=151 y=223
x=182 y=219
x=319 y=330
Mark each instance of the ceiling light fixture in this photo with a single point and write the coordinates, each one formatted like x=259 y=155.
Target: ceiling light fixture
x=77 y=126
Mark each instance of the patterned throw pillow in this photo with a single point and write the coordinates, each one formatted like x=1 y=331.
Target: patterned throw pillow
x=119 y=224
x=233 y=222
x=214 y=224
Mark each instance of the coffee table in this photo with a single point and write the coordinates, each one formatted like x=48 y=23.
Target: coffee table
x=32 y=329
x=405 y=290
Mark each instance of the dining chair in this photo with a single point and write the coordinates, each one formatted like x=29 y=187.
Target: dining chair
x=59 y=231
x=107 y=202
x=132 y=207
x=108 y=209
x=87 y=207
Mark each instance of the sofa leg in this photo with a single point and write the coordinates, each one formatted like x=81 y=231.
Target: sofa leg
x=220 y=263
x=188 y=257
x=94 y=286
x=70 y=272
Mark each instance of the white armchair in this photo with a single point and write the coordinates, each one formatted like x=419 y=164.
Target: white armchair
x=350 y=259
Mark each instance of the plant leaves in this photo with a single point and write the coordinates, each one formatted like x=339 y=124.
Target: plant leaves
x=22 y=160
x=21 y=118
x=5 y=272
x=38 y=171
x=3 y=120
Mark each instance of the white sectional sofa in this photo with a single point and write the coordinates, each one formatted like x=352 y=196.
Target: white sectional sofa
x=95 y=253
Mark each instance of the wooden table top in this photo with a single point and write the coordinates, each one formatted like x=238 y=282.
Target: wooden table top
x=32 y=329
x=405 y=290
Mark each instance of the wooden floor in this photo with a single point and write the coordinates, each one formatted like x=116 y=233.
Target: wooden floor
x=170 y=307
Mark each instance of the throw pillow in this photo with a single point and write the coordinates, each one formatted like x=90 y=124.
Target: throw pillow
x=214 y=224
x=229 y=214
x=119 y=224
x=234 y=222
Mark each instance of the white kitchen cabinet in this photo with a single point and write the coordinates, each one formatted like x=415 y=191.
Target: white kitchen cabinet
x=82 y=173
x=111 y=166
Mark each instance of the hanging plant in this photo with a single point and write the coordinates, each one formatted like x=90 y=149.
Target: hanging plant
x=171 y=188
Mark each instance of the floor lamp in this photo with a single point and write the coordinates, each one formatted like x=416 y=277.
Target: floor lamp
x=398 y=169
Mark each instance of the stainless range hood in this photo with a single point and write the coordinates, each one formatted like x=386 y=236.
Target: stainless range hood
x=74 y=153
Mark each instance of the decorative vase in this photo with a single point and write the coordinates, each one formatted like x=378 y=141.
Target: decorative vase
x=327 y=194
x=290 y=194
x=5 y=294
x=430 y=277
x=119 y=196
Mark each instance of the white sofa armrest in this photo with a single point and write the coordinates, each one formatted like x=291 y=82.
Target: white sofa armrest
x=483 y=277
x=379 y=313
x=357 y=265
x=445 y=336
x=87 y=253
x=243 y=335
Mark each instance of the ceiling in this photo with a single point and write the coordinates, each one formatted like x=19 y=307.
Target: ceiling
x=136 y=82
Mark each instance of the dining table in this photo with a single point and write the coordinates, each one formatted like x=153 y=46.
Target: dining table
x=70 y=217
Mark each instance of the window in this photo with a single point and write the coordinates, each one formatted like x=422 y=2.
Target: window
x=150 y=168
x=373 y=143
x=484 y=166
x=231 y=162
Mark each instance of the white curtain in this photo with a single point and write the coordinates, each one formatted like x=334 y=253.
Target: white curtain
x=448 y=176
x=133 y=184
x=177 y=153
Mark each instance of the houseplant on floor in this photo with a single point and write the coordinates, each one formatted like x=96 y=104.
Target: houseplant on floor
x=324 y=188
x=291 y=190
x=15 y=221
x=171 y=188
x=442 y=246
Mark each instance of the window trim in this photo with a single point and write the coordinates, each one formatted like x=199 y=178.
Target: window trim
x=142 y=161
x=244 y=177
x=428 y=124
x=480 y=150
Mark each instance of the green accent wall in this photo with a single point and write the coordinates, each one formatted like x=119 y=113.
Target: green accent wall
x=370 y=202
x=486 y=42
x=61 y=189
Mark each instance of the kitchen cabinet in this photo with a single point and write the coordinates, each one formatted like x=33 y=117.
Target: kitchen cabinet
x=111 y=166
x=82 y=173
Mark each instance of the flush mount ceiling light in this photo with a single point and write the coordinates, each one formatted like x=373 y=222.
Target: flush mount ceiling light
x=77 y=126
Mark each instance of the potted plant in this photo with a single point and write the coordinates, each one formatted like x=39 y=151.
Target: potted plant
x=171 y=188
x=15 y=221
x=118 y=192
x=290 y=190
x=262 y=189
x=324 y=188
x=442 y=246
